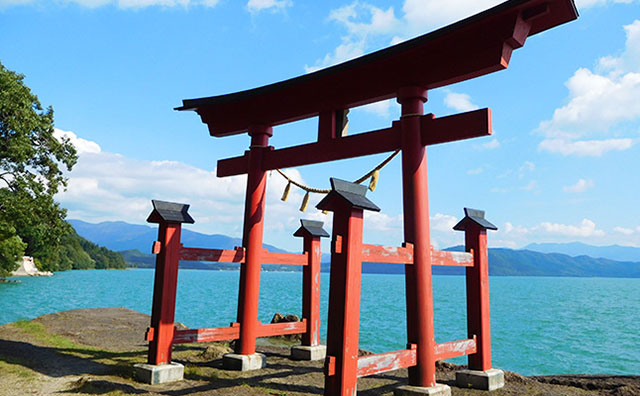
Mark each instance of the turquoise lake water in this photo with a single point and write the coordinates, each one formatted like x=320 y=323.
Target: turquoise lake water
x=539 y=325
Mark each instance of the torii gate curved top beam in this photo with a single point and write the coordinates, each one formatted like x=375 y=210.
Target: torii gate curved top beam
x=475 y=46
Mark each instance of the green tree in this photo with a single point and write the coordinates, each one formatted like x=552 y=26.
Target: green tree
x=31 y=162
x=11 y=249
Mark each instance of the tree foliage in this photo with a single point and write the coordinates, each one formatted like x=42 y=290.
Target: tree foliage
x=31 y=173
x=79 y=253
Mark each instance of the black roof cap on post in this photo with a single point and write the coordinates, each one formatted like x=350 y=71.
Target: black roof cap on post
x=352 y=193
x=474 y=216
x=169 y=212
x=312 y=228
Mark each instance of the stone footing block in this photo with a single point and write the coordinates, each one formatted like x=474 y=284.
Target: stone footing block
x=234 y=361
x=158 y=374
x=301 y=352
x=408 y=390
x=491 y=379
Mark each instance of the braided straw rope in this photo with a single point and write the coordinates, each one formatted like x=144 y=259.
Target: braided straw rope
x=309 y=189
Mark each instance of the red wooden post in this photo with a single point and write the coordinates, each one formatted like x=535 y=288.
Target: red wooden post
x=420 y=328
x=478 y=323
x=169 y=216
x=249 y=290
x=311 y=231
x=347 y=201
x=311 y=291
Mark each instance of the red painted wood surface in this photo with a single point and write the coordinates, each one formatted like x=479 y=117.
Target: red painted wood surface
x=164 y=294
x=238 y=256
x=415 y=196
x=451 y=349
x=456 y=259
x=233 y=332
x=207 y=334
x=344 y=302
x=383 y=362
x=249 y=291
x=387 y=254
x=434 y=131
x=311 y=291
x=470 y=48
x=284 y=258
x=477 y=280
x=213 y=255
x=284 y=328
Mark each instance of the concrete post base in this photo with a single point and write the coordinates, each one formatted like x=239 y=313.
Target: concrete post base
x=234 y=361
x=491 y=379
x=158 y=374
x=409 y=390
x=302 y=352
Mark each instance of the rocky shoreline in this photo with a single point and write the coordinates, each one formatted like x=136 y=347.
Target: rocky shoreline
x=92 y=351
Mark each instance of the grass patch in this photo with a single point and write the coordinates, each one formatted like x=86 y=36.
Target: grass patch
x=193 y=371
x=120 y=362
x=40 y=333
x=7 y=368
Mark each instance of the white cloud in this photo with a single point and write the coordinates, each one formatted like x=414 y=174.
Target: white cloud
x=581 y=186
x=585 y=148
x=442 y=222
x=344 y=52
x=585 y=229
x=490 y=145
x=475 y=171
x=379 y=221
x=362 y=22
x=511 y=229
x=602 y=104
x=624 y=231
x=459 y=102
x=82 y=146
x=425 y=15
x=381 y=109
x=255 y=6
x=108 y=187
x=526 y=168
x=530 y=186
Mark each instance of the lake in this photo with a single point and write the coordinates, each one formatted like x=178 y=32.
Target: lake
x=539 y=325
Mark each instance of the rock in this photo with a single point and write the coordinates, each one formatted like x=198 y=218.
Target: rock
x=28 y=268
x=215 y=351
x=280 y=318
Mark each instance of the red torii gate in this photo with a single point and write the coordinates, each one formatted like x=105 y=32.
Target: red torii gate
x=467 y=49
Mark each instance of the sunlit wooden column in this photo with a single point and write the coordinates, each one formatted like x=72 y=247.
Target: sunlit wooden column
x=415 y=199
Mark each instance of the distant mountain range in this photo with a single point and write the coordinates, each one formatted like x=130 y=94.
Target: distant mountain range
x=119 y=236
x=612 y=252
x=573 y=259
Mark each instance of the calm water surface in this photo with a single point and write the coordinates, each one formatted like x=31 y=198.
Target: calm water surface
x=539 y=325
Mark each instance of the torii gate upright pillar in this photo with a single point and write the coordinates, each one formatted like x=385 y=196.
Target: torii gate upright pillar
x=245 y=356
x=420 y=328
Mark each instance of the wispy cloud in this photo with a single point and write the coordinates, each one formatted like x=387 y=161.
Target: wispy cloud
x=581 y=186
x=585 y=229
x=459 y=102
x=256 y=6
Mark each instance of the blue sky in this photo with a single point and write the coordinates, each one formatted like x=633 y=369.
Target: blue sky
x=561 y=166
